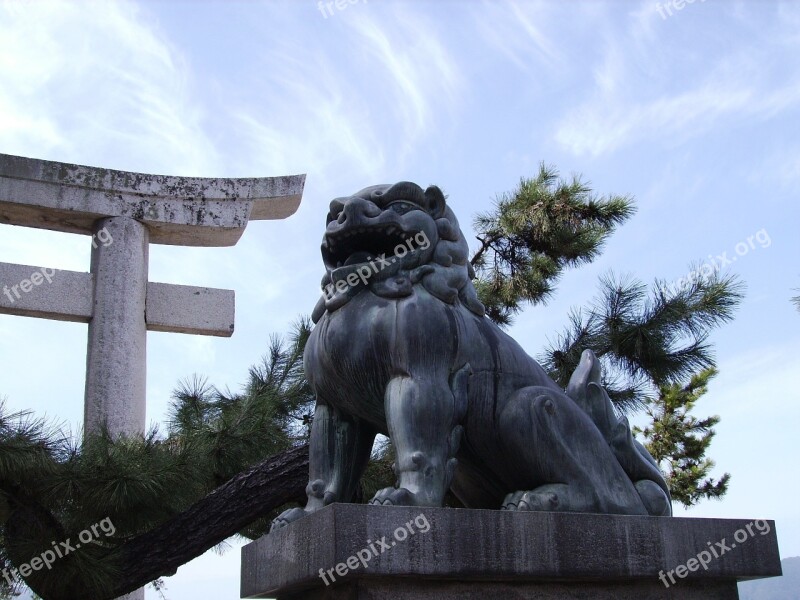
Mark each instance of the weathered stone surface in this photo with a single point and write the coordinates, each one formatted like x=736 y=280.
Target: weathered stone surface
x=59 y=295
x=189 y=309
x=478 y=553
x=186 y=211
x=390 y=589
x=116 y=356
x=67 y=296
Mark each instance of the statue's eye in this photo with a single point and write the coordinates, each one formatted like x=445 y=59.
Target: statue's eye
x=402 y=207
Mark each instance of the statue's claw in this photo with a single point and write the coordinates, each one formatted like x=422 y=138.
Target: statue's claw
x=393 y=497
x=286 y=517
x=546 y=497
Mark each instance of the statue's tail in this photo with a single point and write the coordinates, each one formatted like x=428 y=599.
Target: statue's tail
x=586 y=390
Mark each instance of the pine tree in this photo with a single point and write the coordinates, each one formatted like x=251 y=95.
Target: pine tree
x=156 y=488
x=678 y=441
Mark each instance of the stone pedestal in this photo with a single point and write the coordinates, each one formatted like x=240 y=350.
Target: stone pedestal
x=359 y=552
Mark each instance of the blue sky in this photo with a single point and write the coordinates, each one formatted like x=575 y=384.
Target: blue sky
x=694 y=114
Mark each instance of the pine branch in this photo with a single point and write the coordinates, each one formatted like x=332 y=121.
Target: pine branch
x=535 y=232
x=644 y=337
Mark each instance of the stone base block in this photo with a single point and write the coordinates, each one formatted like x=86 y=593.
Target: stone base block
x=359 y=552
x=443 y=590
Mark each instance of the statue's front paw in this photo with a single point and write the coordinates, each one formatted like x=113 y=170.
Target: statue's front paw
x=550 y=497
x=287 y=517
x=394 y=497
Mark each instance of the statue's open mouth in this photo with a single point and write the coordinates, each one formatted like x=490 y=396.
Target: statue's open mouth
x=360 y=245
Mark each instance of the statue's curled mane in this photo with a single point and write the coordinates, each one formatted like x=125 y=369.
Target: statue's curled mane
x=448 y=275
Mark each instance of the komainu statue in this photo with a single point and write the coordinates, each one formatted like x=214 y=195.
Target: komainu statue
x=401 y=347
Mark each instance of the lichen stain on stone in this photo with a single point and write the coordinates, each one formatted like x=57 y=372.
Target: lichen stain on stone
x=137 y=211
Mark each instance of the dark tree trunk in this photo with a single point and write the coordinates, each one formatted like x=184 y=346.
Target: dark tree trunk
x=247 y=497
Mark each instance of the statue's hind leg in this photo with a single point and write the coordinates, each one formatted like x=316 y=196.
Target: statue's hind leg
x=561 y=459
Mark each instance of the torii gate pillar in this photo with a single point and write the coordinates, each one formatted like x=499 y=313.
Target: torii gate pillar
x=117 y=350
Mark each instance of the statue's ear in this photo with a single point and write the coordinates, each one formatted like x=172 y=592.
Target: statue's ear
x=436 y=201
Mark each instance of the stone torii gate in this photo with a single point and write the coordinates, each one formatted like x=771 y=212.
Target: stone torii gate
x=124 y=213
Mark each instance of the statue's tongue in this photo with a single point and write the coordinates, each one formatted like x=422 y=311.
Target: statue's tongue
x=358 y=258
x=364 y=263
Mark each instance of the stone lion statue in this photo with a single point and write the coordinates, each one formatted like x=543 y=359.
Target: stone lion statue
x=401 y=347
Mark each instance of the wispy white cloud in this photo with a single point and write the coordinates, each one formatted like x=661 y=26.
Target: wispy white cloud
x=759 y=373
x=84 y=82
x=306 y=121
x=780 y=166
x=515 y=31
x=420 y=79
x=317 y=110
x=638 y=96
x=596 y=128
x=604 y=127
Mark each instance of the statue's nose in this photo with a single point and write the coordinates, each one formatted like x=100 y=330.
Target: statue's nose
x=356 y=210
